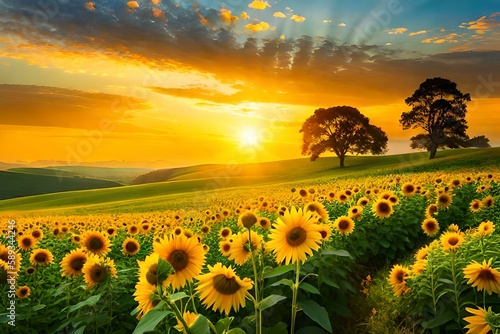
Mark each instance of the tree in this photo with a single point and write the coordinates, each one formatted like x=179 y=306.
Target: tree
x=342 y=130
x=422 y=141
x=478 y=141
x=439 y=108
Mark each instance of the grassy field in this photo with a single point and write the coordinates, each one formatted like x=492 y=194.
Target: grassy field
x=119 y=175
x=186 y=189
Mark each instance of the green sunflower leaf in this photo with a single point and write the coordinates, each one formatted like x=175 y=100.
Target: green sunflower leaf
x=164 y=270
x=310 y=288
x=270 y=301
x=317 y=313
x=200 y=326
x=92 y=300
x=150 y=320
x=279 y=271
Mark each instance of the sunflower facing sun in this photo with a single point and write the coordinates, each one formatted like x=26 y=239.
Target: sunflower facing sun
x=186 y=255
x=223 y=289
x=295 y=235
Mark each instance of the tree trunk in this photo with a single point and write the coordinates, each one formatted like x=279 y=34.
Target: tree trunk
x=341 y=158
x=433 y=149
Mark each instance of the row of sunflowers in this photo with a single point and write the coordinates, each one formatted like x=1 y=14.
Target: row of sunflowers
x=269 y=263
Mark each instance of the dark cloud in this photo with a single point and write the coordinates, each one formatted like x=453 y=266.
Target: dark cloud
x=309 y=70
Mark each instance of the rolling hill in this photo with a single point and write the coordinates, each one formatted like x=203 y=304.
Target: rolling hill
x=191 y=184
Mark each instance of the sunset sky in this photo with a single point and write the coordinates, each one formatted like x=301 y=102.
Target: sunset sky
x=191 y=82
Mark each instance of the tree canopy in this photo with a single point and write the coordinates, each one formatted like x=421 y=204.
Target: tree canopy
x=341 y=130
x=422 y=141
x=438 y=108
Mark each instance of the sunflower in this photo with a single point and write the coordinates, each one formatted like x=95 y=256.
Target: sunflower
x=430 y=226
x=363 y=201
x=240 y=253
x=418 y=267
x=145 y=228
x=317 y=208
x=96 y=243
x=148 y=270
x=225 y=232
x=132 y=229
x=4 y=269
x=431 y=210
x=344 y=225
x=477 y=322
x=130 y=246
x=178 y=231
x=342 y=197
x=451 y=240
x=4 y=256
x=23 y=292
x=111 y=231
x=295 y=235
x=247 y=219
x=26 y=242
x=72 y=263
x=189 y=318
x=488 y=201
x=146 y=296
x=37 y=234
x=394 y=199
x=97 y=269
x=41 y=257
x=444 y=200
x=483 y=276
x=264 y=223
x=222 y=288
x=355 y=211
x=186 y=255
x=29 y=271
x=76 y=239
x=485 y=228
x=453 y=228
x=422 y=253
x=397 y=279
x=408 y=189
x=382 y=208
x=225 y=248
x=476 y=205
x=205 y=229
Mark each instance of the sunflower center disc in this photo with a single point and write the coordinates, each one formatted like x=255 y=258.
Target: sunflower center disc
x=384 y=208
x=131 y=247
x=77 y=264
x=453 y=241
x=152 y=274
x=486 y=275
x=179 y=260
x=95 y=244
x=98 y=274
x=296 y=236
x=226 y=286
x=41 y=257
x=343 y=225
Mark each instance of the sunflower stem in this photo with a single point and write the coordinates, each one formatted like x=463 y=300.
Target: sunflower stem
x=295 y=292
x=178 y=315
x=455 y=285
x=258 y=309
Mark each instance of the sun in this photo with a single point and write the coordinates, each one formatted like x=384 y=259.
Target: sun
x=249 y=137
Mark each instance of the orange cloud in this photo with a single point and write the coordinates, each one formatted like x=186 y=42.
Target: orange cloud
x=415 y=33
x=450 y=38
x=397 y=31
x=484 y=24
x=297 y=18
x=280 y=15
x=158 y=13
x=342 y=24
x=90 y=5
x=133 y=4
x=226 y=16
x=259 y=4
x=155 y=2
x=244 y=16
x=256 y=27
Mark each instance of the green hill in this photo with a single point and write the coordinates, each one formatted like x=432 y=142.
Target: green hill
x=120 y=175
x=15 y=184
x=187 y=185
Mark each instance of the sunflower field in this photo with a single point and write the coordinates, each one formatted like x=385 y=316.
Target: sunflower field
x=407 y=253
